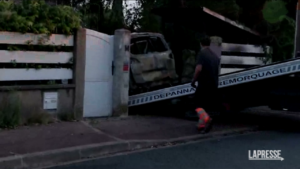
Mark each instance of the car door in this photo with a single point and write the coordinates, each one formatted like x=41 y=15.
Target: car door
x=142 y=61
x=164 y=57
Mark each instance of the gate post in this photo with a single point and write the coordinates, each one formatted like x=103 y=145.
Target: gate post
x=79 y=71
x=120 y=69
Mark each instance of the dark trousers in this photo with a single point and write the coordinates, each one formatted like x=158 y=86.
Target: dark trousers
x=207 y=98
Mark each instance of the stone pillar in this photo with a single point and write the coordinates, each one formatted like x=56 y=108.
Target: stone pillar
x=79 y=71
x=216 y=47
x=121 y=73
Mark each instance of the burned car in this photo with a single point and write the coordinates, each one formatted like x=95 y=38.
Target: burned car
x=151 y=61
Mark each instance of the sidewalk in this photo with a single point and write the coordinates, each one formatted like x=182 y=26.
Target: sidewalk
x=42 y=138
x=157 y=128
x=39 y=146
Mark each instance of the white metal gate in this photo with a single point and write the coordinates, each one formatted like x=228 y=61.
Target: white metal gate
x=98 y=75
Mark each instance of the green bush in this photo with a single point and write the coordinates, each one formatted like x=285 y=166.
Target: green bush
x=35 y=16
x=10 y=108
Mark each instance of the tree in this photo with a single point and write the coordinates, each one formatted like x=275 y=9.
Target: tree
x=117 y=9
x=102 y=15
x=281 y=29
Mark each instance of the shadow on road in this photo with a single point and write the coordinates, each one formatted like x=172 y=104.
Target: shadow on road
x=266 y=119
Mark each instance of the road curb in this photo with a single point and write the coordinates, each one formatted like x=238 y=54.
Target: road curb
x=55 y=157
x=212 y=135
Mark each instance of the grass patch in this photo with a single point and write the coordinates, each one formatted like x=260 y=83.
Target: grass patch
x=10 y=110
x=14 y=113
x=38 y=116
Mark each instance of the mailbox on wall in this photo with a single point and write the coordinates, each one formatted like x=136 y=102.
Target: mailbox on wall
x=50 y=100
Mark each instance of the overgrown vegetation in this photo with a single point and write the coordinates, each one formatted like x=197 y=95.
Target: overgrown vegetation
x=35 y=16
x=32 y=16
x=13 y=113
x=10 y=110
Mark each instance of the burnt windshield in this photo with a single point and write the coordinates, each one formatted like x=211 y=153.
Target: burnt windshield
x=147 y=44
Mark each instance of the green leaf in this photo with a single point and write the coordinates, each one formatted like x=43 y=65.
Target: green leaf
x=274 y=11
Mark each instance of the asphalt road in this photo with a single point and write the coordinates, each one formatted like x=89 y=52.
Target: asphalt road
x=224 y=153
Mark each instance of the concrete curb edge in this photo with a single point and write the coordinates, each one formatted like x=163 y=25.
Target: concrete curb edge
x=59 y=156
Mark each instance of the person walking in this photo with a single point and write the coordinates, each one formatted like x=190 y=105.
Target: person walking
x=207 y=76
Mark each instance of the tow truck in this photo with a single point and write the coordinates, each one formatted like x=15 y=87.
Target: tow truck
x=271 y=84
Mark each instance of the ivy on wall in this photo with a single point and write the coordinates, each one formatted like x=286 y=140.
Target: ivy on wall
x=35 y=16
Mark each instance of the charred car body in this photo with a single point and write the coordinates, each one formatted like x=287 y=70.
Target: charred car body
x=152 y=63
